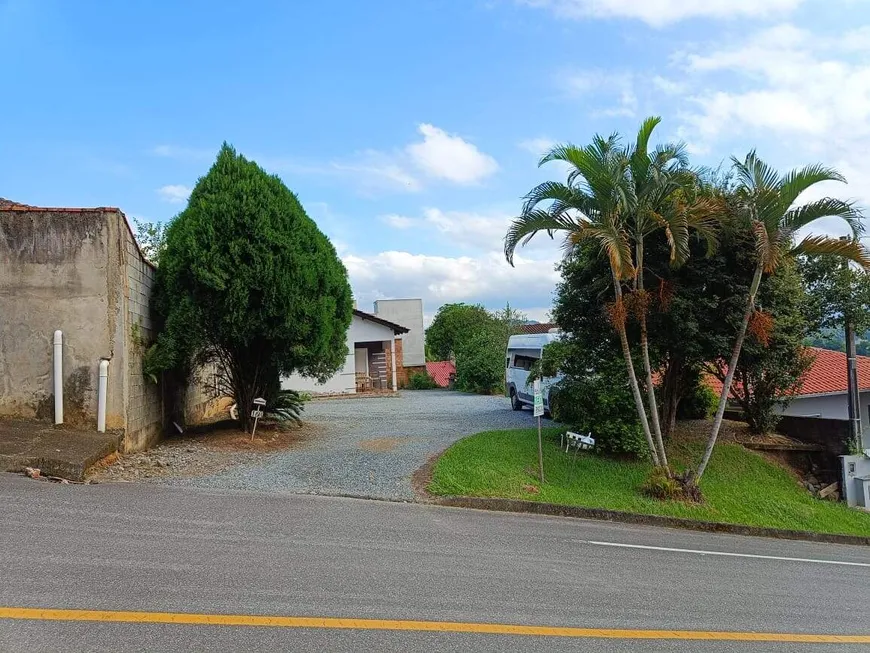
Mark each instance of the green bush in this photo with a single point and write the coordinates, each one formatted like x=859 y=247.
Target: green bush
x=480 y=363
x=700 y=403
x=601 y=403
x=421 y=381
x=248 y=284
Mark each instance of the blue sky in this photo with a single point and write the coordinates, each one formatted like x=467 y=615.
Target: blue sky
x=410 y=130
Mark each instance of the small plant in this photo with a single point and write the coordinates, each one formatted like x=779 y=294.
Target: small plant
x=659 y=485
x=421 y=381
x=666 y=487
x=287 y=406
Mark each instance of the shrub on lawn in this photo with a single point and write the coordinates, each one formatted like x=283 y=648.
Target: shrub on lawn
x=601 y=402
x=421 y=381
x=700 y=403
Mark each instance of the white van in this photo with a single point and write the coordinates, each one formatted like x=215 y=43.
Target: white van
x=522 y=352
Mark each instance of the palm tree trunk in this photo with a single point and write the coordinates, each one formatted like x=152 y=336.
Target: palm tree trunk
x=732 y=367
x=647 y=368
x=632 y=378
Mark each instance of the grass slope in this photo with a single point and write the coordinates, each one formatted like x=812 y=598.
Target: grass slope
x=740 y=486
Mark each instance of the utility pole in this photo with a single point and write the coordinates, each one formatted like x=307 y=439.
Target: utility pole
x=852 y=376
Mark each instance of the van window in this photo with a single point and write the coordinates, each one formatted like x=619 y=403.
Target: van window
x=523 y=362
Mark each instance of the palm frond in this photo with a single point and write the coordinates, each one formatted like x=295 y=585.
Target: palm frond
x=797 y=181
x=551 y=191
x=851 y=250
x=614 y=242
x=524 y=228
x=827 y=207
x=763 y=244
x=641 y=146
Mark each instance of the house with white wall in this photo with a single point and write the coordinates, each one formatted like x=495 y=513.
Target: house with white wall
x=824 y=390
x=408 y=313
x=370 y=360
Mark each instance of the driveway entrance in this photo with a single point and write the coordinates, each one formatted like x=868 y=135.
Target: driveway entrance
x=370 y=447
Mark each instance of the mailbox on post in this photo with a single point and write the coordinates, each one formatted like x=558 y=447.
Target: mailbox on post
x=257 y=413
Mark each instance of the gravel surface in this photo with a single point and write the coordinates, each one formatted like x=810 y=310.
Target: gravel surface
x=369 y=447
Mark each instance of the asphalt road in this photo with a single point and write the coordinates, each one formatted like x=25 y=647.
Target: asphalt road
x=187 y=550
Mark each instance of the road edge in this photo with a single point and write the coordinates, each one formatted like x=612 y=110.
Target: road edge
x=557 y=510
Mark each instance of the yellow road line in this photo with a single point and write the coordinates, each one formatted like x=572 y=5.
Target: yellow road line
x=112 y=616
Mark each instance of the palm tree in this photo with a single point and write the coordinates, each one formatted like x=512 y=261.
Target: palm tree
x=601 y=201
x=767 y=201
x=661 y=198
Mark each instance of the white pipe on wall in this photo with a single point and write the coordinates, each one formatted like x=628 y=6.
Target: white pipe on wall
x=101 y=395
x=58 y=377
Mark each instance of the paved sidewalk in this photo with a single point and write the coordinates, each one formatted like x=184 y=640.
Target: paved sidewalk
x=56 y=451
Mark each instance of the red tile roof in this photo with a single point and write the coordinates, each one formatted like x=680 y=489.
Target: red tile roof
x=537 y=328
x=827 y=374
x=440 y=371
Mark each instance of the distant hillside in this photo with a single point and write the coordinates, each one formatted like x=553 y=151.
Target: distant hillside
x=836 y=341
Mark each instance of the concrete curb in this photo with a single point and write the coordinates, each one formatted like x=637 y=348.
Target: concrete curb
x=556 y=510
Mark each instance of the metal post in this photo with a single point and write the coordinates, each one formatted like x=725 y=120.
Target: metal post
x=852 y=377
x=852 y=371
x=540 y=452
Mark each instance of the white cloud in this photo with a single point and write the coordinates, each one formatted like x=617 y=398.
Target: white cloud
x=475 y=271
x=375 y=171
x=446 y=156
x=618 y=89
x=441 y=279
x=808 y=91
x=659 y=13
x=438 y=157
x=466 y=230
x=537 y=146
x=174 y=193
x=668 y=86
x=398 y=221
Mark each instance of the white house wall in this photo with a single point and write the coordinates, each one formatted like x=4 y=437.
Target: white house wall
x=344 y=381
x=829 y=407
x=409 y=314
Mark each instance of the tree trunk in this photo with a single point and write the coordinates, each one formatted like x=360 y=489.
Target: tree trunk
x=644 y=348
x=632 y=379
x=672 y=387
x=732 y=367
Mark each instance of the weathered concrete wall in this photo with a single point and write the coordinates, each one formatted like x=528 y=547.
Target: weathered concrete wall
x=60 y=270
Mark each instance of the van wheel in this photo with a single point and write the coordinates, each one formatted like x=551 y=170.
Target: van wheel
x=516 y=404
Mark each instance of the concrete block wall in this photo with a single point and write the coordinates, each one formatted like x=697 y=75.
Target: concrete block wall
x=144 y=404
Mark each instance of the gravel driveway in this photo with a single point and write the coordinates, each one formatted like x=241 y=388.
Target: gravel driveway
x=371 y=446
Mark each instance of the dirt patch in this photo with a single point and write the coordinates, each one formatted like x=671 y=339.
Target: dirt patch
x=422 y=477
x=208 y=449
x=382 y=444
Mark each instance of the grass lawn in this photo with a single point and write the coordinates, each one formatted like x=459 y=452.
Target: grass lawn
x=740 y=486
